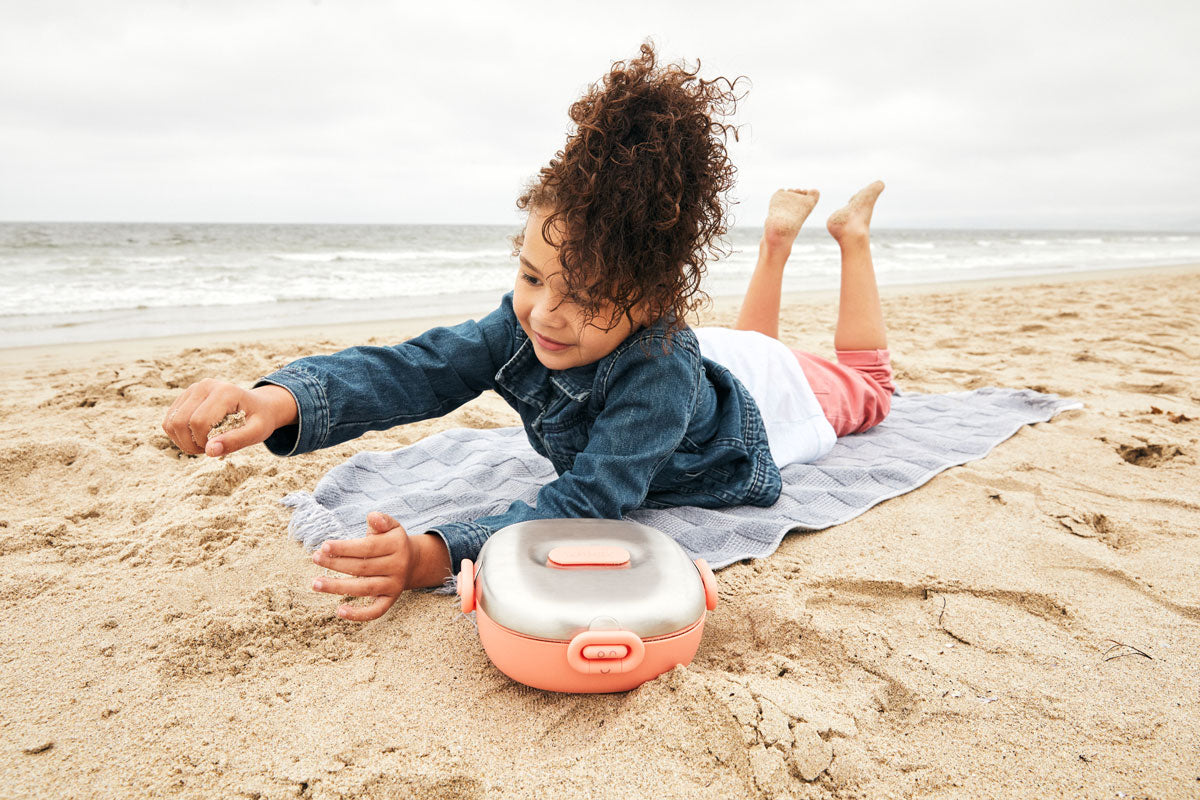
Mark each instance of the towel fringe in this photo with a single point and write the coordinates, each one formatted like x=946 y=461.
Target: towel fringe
x=311 y=523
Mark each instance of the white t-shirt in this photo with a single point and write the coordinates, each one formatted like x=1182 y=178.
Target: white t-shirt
x=797 y=430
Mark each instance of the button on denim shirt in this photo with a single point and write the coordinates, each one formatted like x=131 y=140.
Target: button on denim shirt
x=639 y=428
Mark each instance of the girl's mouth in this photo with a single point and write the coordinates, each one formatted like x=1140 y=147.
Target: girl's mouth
x=549 y=344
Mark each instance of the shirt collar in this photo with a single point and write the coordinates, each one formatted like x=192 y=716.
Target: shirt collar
x=531 y=381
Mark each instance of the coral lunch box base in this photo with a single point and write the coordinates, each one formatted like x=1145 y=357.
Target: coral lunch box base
x=586 y=605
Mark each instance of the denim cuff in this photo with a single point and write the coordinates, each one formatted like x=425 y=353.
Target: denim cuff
x=312 y=413
x=463 y=540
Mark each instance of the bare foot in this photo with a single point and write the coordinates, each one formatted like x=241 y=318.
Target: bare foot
x=854 y=218
x=786 y=213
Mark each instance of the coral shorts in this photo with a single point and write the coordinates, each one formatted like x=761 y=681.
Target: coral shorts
x=856 y=392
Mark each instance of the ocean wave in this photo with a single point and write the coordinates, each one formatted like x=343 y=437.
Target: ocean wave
x=377 y=296
x=144 y=304
x=395 y=255
x=157 y=259
x=914 y=258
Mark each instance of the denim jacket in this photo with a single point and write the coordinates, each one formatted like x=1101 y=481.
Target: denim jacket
x=639 y=428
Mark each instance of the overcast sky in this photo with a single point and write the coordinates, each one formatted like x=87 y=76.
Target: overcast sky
x=1012 y=114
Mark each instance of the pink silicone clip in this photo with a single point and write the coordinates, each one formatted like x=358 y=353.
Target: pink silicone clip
x=605 y=666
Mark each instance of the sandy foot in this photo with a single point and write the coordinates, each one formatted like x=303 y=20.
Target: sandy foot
x=787 y=211
x=854 y=218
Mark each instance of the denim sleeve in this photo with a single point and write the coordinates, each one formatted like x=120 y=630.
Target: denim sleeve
x=648 y=405
x=359 y=389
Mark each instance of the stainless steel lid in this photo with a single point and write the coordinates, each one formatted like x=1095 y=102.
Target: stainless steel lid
x=657 y=590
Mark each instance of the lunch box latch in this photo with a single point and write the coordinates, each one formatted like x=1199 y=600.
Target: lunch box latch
x=605 y=652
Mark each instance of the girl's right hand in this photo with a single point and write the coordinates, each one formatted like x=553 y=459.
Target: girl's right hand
x=202 y=405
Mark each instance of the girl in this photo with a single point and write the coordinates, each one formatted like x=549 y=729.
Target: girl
x=632 y=407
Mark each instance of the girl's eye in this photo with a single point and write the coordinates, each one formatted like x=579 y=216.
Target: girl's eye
x=532 y=281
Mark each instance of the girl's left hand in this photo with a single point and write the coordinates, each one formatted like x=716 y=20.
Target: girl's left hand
x=384 y=559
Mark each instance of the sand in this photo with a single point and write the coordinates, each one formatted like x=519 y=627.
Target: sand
x=1026 y=625
x=230 y=422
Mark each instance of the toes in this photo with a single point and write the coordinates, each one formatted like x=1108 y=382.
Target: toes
x=867 y=194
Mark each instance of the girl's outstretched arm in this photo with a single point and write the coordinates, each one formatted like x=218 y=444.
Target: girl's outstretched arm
x=343 y=395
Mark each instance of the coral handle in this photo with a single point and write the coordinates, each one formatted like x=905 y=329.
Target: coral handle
x=710 y=584
x=466 y=586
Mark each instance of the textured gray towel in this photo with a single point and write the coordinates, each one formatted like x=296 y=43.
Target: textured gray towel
x=464 y=474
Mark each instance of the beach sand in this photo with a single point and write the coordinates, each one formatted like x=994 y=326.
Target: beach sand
x=973 y=638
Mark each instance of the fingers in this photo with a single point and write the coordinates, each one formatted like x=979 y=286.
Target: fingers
x=373 y=545
x=366 y=613
x=381 y=552
x=194 y=412
x=363 y=547
x=378 y=522
x=382 y=557
x=176 y=424
x=384 y=590
x=379 y=565
x=357 y=587
x=255 y=430
x=222 y=400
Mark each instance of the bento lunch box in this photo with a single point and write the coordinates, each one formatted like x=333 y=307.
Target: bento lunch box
x=586 y=605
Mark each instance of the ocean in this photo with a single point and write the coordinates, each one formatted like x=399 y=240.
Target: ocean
x=77 y=282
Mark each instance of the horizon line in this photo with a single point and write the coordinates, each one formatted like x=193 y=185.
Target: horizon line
x=512 y=225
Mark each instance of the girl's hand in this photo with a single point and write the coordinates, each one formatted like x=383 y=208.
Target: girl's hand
x=202 y=405
x=386 y=559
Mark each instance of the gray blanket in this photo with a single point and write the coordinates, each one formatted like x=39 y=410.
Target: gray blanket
x=464 y=474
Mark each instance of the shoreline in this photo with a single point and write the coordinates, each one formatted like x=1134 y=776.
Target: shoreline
x=56 y=355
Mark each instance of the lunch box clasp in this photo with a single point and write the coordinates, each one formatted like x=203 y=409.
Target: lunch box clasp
x=605 y=652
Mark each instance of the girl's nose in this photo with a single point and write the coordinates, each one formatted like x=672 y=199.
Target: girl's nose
x=544 y=312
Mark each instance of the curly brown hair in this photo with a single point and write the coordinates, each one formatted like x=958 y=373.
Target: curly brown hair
x=635 y=200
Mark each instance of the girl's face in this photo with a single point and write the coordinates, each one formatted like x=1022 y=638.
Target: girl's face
x=561 y=339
